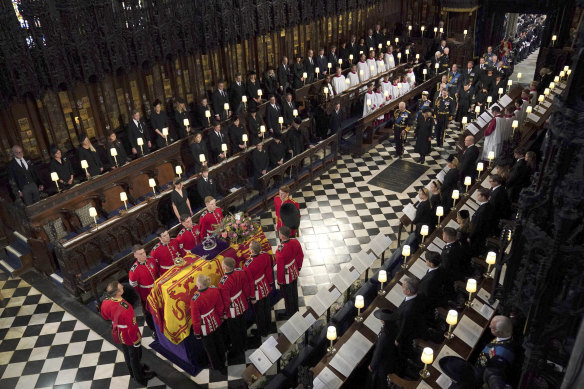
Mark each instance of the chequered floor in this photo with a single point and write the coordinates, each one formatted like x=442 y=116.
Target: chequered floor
x=44 y=346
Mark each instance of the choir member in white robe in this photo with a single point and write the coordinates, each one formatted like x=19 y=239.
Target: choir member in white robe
x=411 y=78
x=353 y=76
x=532 y=93
x=405 y=85
x=380 y=99
x=372 y=65
x=389 y=58
x=509 y=118
x=395 y=89
x=338 y=82
x=369 y=100
x=387 y=87
x=494 y=134
x=363 y=69
x=380 y=64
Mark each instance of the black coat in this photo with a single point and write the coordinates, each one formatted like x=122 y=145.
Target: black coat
x=235 y=93
x=335 y=121
x=434 y=287
x=276 y=152
x=92 y=159
x=423 y=216
x=201 y=120
x=284 y=76
x=272 y=115
x=309 y=69
x=122 y=157
x=519 y=178
x=135 y=132
x=288 y=112
x=270 y=86
x=450 y=183
x=252 y=93
x=297 y=70
x=22 y=176
x=501 y=204
x=468 y=164
x=63 y=170
x=454 y=261
x=297 y=141
x=236 y=137
x=206 y=188
x=218 y=99
x=158 y=121
x=260 y=161
x=179 y=119
x=321 y=63
x=215 y=142
x=253 y=126
x=196 y=150
x=424 y=129
x=481 y=226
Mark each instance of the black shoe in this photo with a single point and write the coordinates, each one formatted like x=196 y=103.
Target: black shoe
x=148 y=375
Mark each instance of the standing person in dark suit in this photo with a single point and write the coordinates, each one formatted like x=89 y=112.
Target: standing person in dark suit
x=423 y=134
x=468 y=166
x=201 y=120
x=206 y=186
x=468 y=75
x=271 y=85
x=353 y=48
x=113 y=143
x=450 y=179
x=309 y=65
x=260 y=161
x=370 y=42
x=88 y=153
x=216 y=139
x=236 y=91
x=321 y=64
x=62 y=167
x=453 y=256
x=335 y=120
x=333 y=59
x=236 y=132
x=273 y=112
x=499 y=200
x=180 y=114
x=297 y=73
x=277 y=151
x=137 y=129
x=284 y=76
x=400 y=327
x=481 y=223
x=219 y=98
x=26 y=181
x=434 y=286
x=424 y=215
x=519 y=177
x=288 y=108
x=252 y=88
x=159 y=121
x=198 y=148
x=464 y=102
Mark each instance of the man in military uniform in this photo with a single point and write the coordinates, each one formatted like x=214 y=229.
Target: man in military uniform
x=444 y=108
x=207 y=310
x=260 y=274
x=235 y=290
x=189 y=236
x=289 y=257
x=424 y=102
x=125 y=330
x=165 y=251
x=142 y=275
x=211 y=216
x=401 y=124
x=281 y=198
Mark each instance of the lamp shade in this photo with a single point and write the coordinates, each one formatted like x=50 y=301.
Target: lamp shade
x=140 y=141
x=491 y=155
x=399 y=86
x=151 y=182
x=372 y=68
x=223 y=147
x=244 y=137
x=519 y=75
x=500 y=91
x=114 y=152
x=464 y=120
x=566 y=68
x=262 y=128
x=244 y=99
x=422 y=28
x=54 y=176
x=552 y=85
x=350 y=57
x=427 y=355
x=554 y=37
x=294 y=112
x=396 y=40
x=347 y=81
x=226 y=106
x=528 y=109
x=359 y=301
x=441 y=30
x=165 y=131
x=385 y=93
x=178 y=170
x=417 y=56
x=341 y=60
x=368 y=102
x=207 y=114
x=562 y=74
x=440 y=211
x=480 y=166
x=123 y=196
x=325 y=90
x=491 y=257
x=260 y=93
x=467 y=180
x=541 y=98
x=92 y=212
x=437 y=65
x=406 y=250
x=455 y=194
x=477 y=109
x=452 y=317
x=546 y=91
x=329 y=65
x=424 y=230
x=202 y=157
x=84 y=164
x=317 y=70
x=410 y=28
x=382 y=276
x=331 y=333
x=399 y=55
x=489 y=99
x=435 y=29
x=361 y=72
x=465 y=32
x=471 y=285
x=510 y=82
x=281 y=120
x=424 y=71
x=304 y=75
x=515 y=124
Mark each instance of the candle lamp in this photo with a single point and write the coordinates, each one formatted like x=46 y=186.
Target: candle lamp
x=280 y=120
x=467 y=182
x=451 y=320
x=519 y=75
x=477 y=111
x=326 y=92
x=244 y=139
x=317 y=71
x=439 y=213
x=351 y=57
x=491 y=156
x=455 y=196
x=361 y=73
x=396 y=40
x=435 y=31
x=514 y=125
x=491 y=260
x=568 y=72
x=329 y=65
x=124 y=198
x=140 y=143
x=424 y=232
x=186 y=121
x=424 y=72
x=385 y=94
x=294 y=112
x=262 y=130
x=552 y=86
x=436 y=66
x=165 y=134
x=407 y=54
x=422 y=29
x=85 y=165
x=244 y=101
x=202 y=158
x=55 y=179
x=398 y=57
x=409 y=30
x=382 y=278
x=304 y=77
x=441 y=30
x=541 y=98
x=379 y=46
x=528 y=109
x=546 y=91
x=500 y=92
x=480 y=168
x=260 y=93
x=557 y=78
x=359 y=303
x=464 y=123
x=417 y=57
x=152 y=184
x=178 y=170
x=554 y=38
x=405 y=253
x=347 y=81
x=489 y=101
x=226 y=108
x=224 y=148
x=331 y=334
x=368 y=104
x=114 y=153
x=93 y=214
x=471 y=287
x=372 y=68
x=566 y=68
x=208 y=116
x=427 y=359
x=465 y=32
x=509 y=82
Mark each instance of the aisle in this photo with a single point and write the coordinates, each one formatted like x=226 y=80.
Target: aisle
x=527 y=69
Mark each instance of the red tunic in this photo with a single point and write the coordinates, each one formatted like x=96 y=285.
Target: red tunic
x=208 y=219
x=492 y=125
x=206 y=311
x=235 y=290
x=187 y=239
x=277 y=205
x=123 y=320
x=164 y=254
x=142 y=277
x=260 y=274
x=289 y=257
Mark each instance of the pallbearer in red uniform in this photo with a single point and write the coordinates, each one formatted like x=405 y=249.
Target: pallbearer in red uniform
x=289 y=257
x=210 y=216
x=125 y=330
x=282 y=198
x=165 y=251
x=235 y=290
x=207 y=309
x=142 y=275
x=259 y=269
x=189 y=236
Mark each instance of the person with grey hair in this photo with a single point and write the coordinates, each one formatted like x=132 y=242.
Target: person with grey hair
x=137 y=129
x=23 y=178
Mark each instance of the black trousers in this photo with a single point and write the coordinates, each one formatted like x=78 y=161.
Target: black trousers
x=133 y=355
x=237 y=334
x=440 y=128
x=397 y=138
x=263 y=316
x=215 y=348
x=30 y=194
x=290 y=292
x=148 y=318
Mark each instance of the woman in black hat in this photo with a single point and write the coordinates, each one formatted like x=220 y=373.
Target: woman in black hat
x=424 y=127
x=384 y=359
x=88 y=153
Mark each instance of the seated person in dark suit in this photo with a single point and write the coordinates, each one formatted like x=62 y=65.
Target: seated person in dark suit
x=450 y=179
x=481 y=224
x=236 y=132
x=88 y=153
x=277 y=151
x=121 y=157
x=453 y=258
x=217 y=138
x=400 y=327
x=136 y=129
x=435 y=286
x=424 y=215
x=260 y=161
x=206 y=185
x=62 y=167
x=198 y=148
x=520 y=176
x=26 y=183
x=499 y=200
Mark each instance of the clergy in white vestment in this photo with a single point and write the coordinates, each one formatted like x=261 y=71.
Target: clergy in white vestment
x=353 y=76
x=338 y=82
x=494 y=134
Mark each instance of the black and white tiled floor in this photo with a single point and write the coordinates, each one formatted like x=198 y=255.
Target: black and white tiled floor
x=44 y=345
